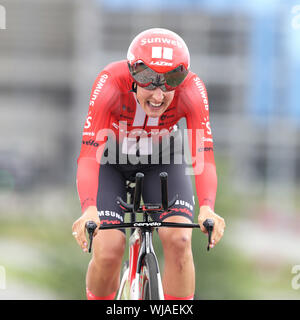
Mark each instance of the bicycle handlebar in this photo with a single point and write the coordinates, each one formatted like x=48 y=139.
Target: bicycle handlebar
x=209 y=226
x=137 y=208
x=164 y=190
x=147 y=206
x=139 y=178
x=90 y=227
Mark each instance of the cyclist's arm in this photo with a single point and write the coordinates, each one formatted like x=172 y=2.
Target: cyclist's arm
x=197 y=116
x=104 y=97
x=196 y=106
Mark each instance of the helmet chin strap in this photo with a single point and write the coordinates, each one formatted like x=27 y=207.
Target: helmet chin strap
x=133 y=87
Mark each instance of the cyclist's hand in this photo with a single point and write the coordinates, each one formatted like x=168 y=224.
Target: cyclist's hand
x=78 y=228
x=219 y=224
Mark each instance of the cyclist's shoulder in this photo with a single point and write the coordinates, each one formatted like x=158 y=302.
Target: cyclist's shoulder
x=117 y=72
x=192 y=81
x=117 y=68
x=191 y=92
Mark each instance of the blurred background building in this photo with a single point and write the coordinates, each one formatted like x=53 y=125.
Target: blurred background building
x=246 y=52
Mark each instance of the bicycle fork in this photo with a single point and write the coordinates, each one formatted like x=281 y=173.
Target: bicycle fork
x=147 y=248
x=140 y=244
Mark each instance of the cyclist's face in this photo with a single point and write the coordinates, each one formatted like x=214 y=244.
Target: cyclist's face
x=154 y=102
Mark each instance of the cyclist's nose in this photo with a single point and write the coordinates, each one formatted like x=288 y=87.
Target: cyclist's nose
x=157 y=95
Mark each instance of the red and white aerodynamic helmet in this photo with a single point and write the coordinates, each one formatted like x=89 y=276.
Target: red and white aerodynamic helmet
x=158 y=58
x=160 y=49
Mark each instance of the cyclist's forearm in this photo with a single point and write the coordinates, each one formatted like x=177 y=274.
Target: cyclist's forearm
x=87 y=182
x=206 y=186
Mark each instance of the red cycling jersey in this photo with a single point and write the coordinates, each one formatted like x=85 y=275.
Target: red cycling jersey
x=113 y=108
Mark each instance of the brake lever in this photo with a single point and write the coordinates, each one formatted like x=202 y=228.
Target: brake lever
x=90 y=227
x=209 y=226
x=124 y=204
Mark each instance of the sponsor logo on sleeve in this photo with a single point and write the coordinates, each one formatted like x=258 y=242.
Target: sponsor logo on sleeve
x=88 y=122
x=200 y=85
x=206 y=123
x=98 y=89
x=90 y=143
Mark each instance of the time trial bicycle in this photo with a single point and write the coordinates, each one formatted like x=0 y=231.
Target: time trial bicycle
x=141 y=278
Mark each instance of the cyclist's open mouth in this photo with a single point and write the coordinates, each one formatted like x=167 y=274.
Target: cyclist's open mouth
x=155 y=106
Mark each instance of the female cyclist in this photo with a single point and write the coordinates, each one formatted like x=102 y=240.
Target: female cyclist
x=131 y=126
